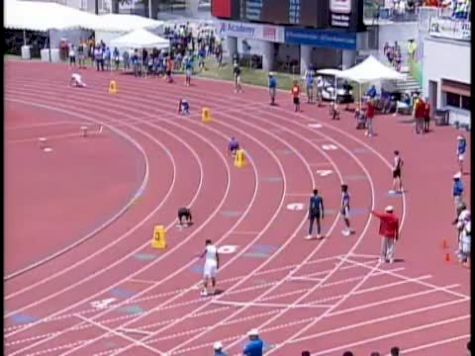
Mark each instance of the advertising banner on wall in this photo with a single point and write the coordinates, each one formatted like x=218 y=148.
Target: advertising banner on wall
x=250 y=31
x=321 y=38
x=447 y=28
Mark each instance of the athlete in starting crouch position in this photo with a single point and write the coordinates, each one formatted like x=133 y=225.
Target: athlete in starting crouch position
x=210 y=268
x=184 y=214
x=76 y=80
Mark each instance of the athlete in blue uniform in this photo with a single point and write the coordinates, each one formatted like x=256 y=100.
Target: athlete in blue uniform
x=315 y=212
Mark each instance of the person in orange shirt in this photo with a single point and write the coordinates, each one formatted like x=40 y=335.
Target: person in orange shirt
x=389 y=231
x=419 y=112
x=296 y=95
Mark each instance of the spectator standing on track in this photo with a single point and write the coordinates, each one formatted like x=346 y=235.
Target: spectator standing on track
x=255 y=345
x=210 y=268
x=188 y=70
x=315 y=212
x=309 y=86
x=345 y=210
x=218 y=349
x=233 y=146
x=419 y=113
x=465 y=241
x=72 y=55
x=272 y=87
x=237 y=78
x=427 y=111
x=397 y=179
x=389 y=230
x=461 y=148
x=296 y=95
x=370 y=109
x=395 y=351
x=458 y=189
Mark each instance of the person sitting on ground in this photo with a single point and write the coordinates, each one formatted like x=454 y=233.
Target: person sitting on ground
x=183 y=107
x=233 y=146
x=76 y=80
x=255 y=345
x=218 y=349
x=184 y=216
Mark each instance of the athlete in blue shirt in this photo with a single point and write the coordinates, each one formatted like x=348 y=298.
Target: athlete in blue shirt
x=461 y=148
x=272 y=87
x=458 y=189
x=315 y=212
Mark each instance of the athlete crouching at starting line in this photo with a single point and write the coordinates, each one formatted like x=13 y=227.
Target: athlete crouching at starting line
x=184 y=217
x=183 y=107
x=233 y=146
x=76 y=81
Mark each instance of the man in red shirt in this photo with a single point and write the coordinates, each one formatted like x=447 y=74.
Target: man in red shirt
x=369 y=118
x=389 y=230
x=296 y=95
x=419 y=113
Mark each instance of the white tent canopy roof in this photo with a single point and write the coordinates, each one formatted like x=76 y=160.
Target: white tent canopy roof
x=140 y=39
x=329 y=71
x=124 y=22
x=371 y=70
x=43 y=16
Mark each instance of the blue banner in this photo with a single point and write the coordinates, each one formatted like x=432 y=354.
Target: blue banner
x=319 y=38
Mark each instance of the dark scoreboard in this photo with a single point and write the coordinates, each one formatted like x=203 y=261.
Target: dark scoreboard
x=312 y=13
x=319 y=14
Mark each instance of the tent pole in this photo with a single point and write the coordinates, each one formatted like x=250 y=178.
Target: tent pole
x=149 y=9
x=24 y=38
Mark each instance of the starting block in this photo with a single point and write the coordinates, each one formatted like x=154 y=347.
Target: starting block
x=112 y=87
x=206 y=115
x=240 y=159
x=84 y=131
x=159 y=240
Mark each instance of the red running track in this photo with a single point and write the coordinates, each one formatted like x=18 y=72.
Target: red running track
x=325 y=296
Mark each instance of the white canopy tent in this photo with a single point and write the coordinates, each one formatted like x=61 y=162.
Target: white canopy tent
x=125 y=23
x=329 y=71
x=140 y=39
x=371 y=70
x=44 y=16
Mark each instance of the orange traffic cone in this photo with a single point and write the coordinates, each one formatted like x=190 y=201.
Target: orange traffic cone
x=447 y=257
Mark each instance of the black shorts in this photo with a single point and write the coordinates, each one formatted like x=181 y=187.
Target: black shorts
x=314 y=215
x=296 y=101
x=397 y=173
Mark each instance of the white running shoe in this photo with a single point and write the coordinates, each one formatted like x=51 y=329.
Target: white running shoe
x=204 y=293
x=308 y=237
x=381 y=260
x=346 y=232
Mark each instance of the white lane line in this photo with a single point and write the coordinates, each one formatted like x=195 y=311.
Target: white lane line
x=437 y=343
x=117 y=333
x=267 y=305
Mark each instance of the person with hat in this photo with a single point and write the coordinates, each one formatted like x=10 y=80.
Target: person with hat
x=218 y=349
x=272 y=87
x=389 y=230
x=461 y=148
x=458 y=189
x=255 y=345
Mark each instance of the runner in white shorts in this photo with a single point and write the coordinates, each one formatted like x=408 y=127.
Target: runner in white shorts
x=345 y=210
x=210 y=268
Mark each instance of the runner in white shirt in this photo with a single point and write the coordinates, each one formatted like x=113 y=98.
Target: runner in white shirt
x=76 y=80
x=210 y=268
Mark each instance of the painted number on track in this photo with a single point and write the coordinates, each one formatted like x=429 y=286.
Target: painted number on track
x=329 y=147
x=227 y=249
x=324 y=172
x=102 y=304
x=295 y=206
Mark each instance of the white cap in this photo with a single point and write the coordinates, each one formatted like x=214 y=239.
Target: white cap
x=457 y=175
x=217 y=345
x=459 y=137
x=271 y=73
x=389 y=208
x=253 y=332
